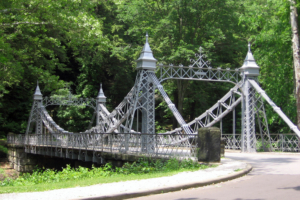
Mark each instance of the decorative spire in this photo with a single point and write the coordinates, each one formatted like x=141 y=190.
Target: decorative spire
x=37 y=94
x=101 y=97
x=146 y=59
x=250 y=67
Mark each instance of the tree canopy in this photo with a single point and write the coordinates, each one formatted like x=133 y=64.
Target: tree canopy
x=87 y=42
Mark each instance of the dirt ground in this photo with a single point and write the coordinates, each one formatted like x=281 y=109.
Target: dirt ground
x=6 y=171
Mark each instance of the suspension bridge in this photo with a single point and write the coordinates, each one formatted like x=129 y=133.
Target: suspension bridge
x=116 y=134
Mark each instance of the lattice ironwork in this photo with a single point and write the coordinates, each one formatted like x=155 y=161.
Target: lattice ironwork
x=248 y=129
x=51 y=126
x=194 y=73
x=70 y=101
x=200 y=69
x=171 y=106
x=138 y=108
x=261 y=92
x=214 y=114
x=263 y=123
x=278 y=142
x=166 y=146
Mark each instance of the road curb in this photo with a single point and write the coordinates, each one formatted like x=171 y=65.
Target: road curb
x=174 y=187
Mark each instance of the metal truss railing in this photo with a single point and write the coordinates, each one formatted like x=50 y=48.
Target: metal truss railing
x=261 y=92
x=214 y=114
x=109 y=122
x=124 y=111
x=16 y=139
x=104 y=113
x=172 y=107
x=196 y=73
x=278 y=142
x=49 y=123
x=70 y=101
x=162 y=146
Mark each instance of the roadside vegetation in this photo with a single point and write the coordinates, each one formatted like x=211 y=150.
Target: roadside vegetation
x=3 y=148
x=48 y=179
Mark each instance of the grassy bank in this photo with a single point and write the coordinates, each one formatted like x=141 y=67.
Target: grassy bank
x=46 y=179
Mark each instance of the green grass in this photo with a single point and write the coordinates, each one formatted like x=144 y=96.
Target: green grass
x=42 y=180
x=82 y=183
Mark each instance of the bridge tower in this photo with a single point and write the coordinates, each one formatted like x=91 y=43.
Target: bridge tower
x=146 y=62
x=35 y=114
x=252 y=104
x=144 y=98
x=101 y=99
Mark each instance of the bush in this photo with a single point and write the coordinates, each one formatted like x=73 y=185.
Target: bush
x=142 y=166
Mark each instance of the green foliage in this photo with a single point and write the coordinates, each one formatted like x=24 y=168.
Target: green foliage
x=45 y=41
x=269 y=30
x=143 y=166
x=3 y=149
x=91 y=42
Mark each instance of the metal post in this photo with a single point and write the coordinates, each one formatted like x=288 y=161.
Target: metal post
x=35 y=113
x=249 y=70
x=221 y=122
x=101 y=99
x=233 y=123
x=147 y=63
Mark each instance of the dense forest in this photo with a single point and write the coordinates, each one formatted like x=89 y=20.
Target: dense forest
x=78 y=44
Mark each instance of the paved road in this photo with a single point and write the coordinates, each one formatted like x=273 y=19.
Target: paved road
x=274 y=176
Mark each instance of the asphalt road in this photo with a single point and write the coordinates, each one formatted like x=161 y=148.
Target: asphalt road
x=274 y=176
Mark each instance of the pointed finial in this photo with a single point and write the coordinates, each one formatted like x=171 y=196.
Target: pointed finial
x=37 y=94
x=101 y=97
x=146 y=59
x=250 y=68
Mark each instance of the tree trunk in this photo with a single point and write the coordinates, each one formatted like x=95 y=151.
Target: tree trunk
x=182 y=87
x=296 y=57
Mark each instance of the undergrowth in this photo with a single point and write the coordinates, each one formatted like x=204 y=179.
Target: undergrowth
x=42 y=176
x=3 y=149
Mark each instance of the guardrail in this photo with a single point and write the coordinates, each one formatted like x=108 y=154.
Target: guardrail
x=279 y=142
x=181 y=146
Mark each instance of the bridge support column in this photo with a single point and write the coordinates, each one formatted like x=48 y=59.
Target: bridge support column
x=101 y=99
x=19 y=160
x=146 y=102
x=35 y=113
x=248 y=117
x=249 y=70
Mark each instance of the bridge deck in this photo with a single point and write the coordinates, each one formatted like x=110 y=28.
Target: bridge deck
x=95 y=146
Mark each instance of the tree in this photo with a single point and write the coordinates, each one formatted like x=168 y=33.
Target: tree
x=39 y=40
x=296 y=56
x=178 y=27
x=268 y=29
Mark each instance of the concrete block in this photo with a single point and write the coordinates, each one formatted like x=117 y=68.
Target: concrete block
x=11 y=165
x=209 y=142
x=10 y=151
x=21 y=155
x=223 y=142
x=10 y=158
x=24 y=168
x=26 y=161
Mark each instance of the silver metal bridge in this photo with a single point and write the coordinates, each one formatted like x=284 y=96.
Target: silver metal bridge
x=130 y=127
